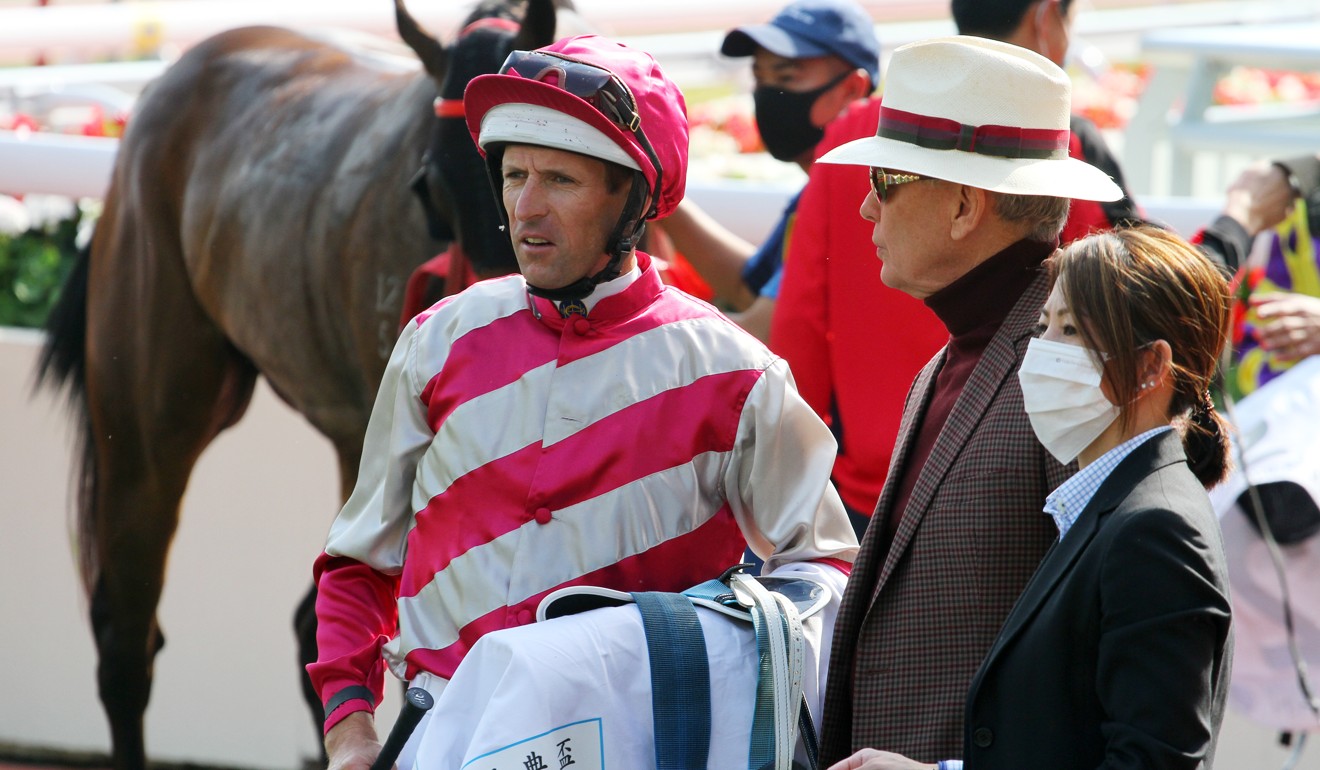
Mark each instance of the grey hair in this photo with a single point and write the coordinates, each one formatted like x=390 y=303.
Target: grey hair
x=1045 y=215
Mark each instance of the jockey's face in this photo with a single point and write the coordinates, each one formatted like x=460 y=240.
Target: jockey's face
x=561 y=210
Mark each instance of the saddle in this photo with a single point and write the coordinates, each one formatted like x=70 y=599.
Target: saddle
x=680 y=674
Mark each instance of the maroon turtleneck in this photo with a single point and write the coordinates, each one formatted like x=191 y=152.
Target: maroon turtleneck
x=972 y=308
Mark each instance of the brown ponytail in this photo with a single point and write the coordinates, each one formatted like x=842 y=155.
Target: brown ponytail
x=1205 y=440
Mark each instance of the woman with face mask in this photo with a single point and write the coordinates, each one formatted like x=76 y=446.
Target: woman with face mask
x=1118 y=651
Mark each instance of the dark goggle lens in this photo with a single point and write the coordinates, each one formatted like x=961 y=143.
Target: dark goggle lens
x=585 y=81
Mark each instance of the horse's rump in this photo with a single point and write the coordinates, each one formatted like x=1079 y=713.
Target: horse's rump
x=285 y=181
x=259 y=221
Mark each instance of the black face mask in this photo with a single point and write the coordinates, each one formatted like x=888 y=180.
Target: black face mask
x=784 y=119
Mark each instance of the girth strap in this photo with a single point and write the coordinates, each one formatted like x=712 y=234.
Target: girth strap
x=780 y=652
x=680 y=680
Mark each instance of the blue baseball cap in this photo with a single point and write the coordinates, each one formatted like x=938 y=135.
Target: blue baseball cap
x=813 y=28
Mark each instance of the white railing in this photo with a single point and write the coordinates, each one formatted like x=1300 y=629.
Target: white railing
x=81 y=166
x=26 y=32
x=55 y=164
x=84 y=32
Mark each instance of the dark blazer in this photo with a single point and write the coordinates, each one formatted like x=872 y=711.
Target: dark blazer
x=1118 y=653
x=917 y=620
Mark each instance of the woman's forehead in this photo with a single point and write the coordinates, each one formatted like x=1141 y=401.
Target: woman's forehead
x=1056 y=302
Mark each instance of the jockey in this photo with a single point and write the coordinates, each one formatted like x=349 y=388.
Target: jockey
x=543 y=99
x=578 y=423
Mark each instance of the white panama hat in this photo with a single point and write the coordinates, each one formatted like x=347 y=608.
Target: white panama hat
x=982 y=113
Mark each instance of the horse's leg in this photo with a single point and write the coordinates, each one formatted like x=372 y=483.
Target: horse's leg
x=349 y=454
x=162 y=381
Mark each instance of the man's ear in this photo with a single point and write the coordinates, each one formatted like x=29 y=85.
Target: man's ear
x=971 y=205
x=1051 y=30
x=857 y=85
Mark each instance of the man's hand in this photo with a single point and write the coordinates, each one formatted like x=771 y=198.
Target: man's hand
x=1259 y=198
x=352 y=744
x=1289 y=325
x=871 y=759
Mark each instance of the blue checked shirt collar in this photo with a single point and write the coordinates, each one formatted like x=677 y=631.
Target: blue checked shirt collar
x=1067 y=502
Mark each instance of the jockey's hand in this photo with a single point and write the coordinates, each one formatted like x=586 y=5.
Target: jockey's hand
x=352 y=744
x=1288 y=325
x=871 y=759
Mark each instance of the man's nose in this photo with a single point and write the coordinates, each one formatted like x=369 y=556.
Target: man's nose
x=529 y=201
x=871 y=208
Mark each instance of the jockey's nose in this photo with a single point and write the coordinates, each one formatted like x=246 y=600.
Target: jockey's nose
x=529 y=199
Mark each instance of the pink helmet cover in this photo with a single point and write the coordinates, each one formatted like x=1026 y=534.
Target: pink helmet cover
x=660 y=104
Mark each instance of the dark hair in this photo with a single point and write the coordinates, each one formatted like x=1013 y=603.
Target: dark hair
x=1128 y=288
x=617 y=176
x=996 y=19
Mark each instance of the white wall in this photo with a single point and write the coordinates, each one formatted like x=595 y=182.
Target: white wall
x=254 y=519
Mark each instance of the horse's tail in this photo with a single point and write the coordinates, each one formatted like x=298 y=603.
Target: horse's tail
x=63 y=362
x=63 y=366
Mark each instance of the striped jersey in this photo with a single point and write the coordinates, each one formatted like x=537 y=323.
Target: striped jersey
x=512 y=451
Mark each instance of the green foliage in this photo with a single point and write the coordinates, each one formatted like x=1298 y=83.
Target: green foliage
x=33 y=266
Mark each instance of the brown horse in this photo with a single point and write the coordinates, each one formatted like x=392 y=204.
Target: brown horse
x=259 y=222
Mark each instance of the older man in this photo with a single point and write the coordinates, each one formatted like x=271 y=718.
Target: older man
x=578 y=423
x=970 y=180
x=853 y=373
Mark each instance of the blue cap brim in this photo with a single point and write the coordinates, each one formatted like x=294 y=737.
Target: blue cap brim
x=744 y=41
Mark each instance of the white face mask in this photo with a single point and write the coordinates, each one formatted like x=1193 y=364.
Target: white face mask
x=1061 y=392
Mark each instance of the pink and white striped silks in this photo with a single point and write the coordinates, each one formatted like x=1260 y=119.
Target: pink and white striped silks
x=512 y=452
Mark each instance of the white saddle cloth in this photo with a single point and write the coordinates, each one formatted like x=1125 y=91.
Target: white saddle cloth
x=575 y=692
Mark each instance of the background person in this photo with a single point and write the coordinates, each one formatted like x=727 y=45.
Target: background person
x=1276 y=324
x=813 y=59
x=1277 y=315
x=1257 y=200
x=971 y=179
x=1118 y=652
x=854 y=344
x=579 y=423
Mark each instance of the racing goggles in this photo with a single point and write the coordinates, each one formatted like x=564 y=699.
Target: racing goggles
x=595 y=85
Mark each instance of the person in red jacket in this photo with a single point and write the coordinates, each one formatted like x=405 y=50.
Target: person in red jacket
x=809 y=62
x=854 y=344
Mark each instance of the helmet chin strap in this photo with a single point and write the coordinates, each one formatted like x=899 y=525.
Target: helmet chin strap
x=622 y=241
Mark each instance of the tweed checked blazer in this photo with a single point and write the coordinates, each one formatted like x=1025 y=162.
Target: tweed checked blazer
x=915 y=622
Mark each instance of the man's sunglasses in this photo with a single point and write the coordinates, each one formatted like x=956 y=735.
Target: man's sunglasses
x=882 y=180
x=595 y=85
